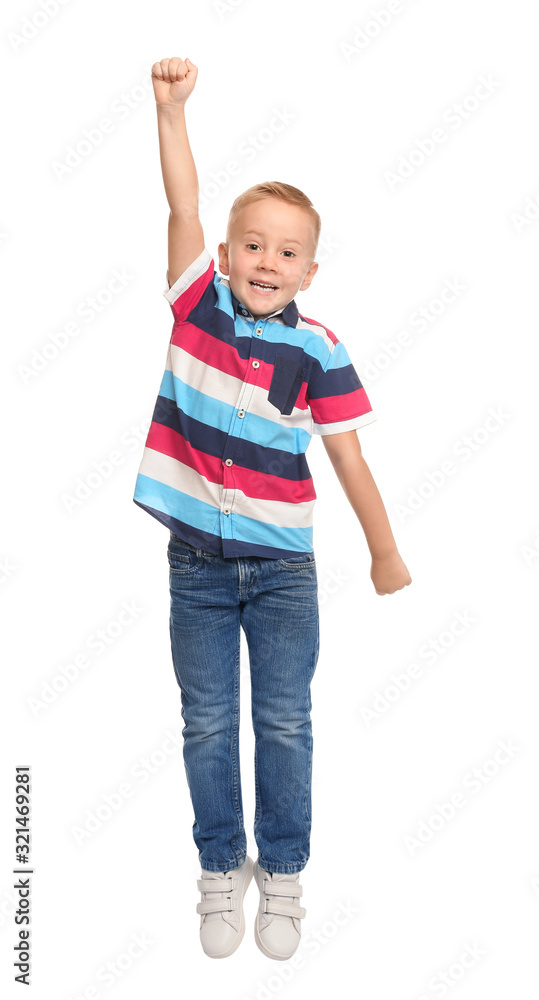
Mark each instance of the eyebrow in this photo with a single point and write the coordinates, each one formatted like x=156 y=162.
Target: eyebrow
x=253 y=232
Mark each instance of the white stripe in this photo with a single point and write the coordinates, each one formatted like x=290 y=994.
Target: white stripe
x=345 y=425
x=194 y=271
x=226 y=388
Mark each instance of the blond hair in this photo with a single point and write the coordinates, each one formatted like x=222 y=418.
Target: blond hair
x=275 y=189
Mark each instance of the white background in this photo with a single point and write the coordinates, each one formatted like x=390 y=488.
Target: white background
x=471 y=543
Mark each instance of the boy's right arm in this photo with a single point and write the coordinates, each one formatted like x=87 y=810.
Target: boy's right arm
x=173 y=81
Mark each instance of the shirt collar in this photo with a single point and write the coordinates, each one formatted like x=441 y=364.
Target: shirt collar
x=290 y=312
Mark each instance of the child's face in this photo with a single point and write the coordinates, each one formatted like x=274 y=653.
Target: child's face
x=270 y=242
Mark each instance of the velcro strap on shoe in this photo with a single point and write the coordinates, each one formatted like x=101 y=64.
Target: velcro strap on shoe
x=284 y=909
x=283 y=888
x=216 y=905
x=215 y=884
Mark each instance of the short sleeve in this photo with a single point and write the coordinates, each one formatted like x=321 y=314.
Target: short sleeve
x=336 y=396
x=188 y=289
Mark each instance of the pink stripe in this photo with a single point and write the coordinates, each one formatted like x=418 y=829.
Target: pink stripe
x=259 y=485
x=329 y=409
x=189 y=298
x=225 y=358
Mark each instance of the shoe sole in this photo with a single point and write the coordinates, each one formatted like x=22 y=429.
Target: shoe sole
x=241 y=932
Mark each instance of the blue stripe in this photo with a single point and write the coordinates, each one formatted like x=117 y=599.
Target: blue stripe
x=202 y=515
x=221 y=294
x=167 y=499
x=260 y=533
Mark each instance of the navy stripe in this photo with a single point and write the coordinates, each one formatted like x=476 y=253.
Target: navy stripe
x=212 y=441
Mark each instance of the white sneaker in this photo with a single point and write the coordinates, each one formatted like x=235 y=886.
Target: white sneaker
x=277 y=925
x=222 y=922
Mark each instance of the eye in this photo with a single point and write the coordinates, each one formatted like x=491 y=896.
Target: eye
x=249 y=245
x=291 y=252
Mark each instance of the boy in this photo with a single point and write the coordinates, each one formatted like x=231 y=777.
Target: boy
x=248 y=380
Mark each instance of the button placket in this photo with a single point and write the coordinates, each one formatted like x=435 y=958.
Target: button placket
x=229 y=492
x=248 y=387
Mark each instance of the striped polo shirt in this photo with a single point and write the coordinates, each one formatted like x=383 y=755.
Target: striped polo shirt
x=224 y=464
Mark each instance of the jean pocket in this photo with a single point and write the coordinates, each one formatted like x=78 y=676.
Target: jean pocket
x=286 y=381
x=298 y=561
x=182 y=557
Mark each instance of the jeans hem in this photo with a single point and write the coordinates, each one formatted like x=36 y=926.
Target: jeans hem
x=227 y=866
x=280 y=868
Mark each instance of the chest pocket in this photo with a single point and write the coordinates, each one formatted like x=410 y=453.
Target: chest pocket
x=286 y=382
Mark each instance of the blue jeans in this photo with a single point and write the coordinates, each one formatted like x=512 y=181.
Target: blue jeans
x=275 y=601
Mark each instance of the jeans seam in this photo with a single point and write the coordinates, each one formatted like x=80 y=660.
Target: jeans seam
x=235 y=743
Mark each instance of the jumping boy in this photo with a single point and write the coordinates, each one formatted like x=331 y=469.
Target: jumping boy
x=248 y=380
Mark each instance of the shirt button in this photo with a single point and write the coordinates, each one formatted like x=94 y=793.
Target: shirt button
x=256 y=364
x=229 y=461
x=241 y=413
x=226 y=510
x=259 y=331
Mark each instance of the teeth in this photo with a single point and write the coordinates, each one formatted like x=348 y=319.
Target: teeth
x=258 y=284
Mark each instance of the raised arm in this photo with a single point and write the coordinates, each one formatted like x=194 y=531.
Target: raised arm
x=173 y=81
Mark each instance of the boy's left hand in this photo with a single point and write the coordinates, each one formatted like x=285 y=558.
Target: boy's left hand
x=388 y=574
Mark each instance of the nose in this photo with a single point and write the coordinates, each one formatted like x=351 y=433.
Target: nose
x=268 y=261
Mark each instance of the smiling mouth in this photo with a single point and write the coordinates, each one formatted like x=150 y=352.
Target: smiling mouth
x=263 y=286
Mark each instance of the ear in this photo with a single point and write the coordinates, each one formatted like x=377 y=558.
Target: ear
x=222 y=251
x=309 y=276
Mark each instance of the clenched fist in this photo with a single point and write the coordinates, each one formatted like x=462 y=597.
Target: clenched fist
x=173 y=80
x=388 y=574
